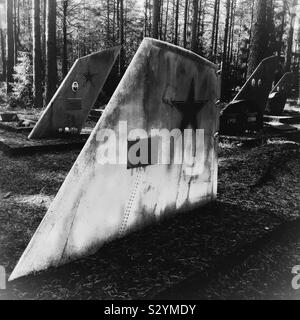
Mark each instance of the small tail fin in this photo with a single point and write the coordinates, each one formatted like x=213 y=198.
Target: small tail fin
x=259 y=84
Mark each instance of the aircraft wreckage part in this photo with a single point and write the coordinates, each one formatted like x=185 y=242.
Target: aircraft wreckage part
x=246 y=110
x=164 y=88
x=73 y=101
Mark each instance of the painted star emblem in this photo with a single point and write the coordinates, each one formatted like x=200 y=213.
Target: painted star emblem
x=189 y=109
x=88 y=77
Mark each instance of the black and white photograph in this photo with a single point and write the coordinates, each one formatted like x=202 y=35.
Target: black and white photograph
x=149 y=151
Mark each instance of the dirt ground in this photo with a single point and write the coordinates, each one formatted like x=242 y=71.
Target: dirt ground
x=259 y=189
x=267 y=274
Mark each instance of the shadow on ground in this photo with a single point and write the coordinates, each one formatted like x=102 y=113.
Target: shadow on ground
x=258 y=191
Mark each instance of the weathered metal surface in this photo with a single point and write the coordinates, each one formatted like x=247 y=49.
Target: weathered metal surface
x=279 y=94
x=76 y=96
x=246 y=110
x=101 y=201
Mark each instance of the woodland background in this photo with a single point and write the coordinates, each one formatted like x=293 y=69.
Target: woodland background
x=41 y=39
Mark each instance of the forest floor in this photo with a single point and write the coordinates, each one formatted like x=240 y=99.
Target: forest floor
x=259 y=192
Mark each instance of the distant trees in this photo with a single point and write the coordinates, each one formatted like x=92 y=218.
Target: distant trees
x=234 y=34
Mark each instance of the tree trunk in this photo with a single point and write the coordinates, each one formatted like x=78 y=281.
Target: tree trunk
x=199 y=35
x=224 y=84
x=146 y=18
x=37 y=56
x=166 y=21
x=290 y=39
x=231 y=34
x=155 y=18
x=194 y=43
x=185 y=22
x=3 y=54
x=16 y=34
x=44 y=6
x=122 y=40
x=271 y=28
x=9 y=45
x=65 y=43
x=282 y=26
x=114 y=22
x=51 y=59
x=217 y=31
x=201 y=24
x=176 y=22
x=213 y=29
x=161 y=18
x=108 y=22
x=259 y=36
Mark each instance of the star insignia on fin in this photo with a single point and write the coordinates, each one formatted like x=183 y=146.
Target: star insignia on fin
x=189 y=109
x=88 y=77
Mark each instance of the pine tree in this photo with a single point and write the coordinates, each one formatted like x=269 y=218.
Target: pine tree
x=3 y=54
